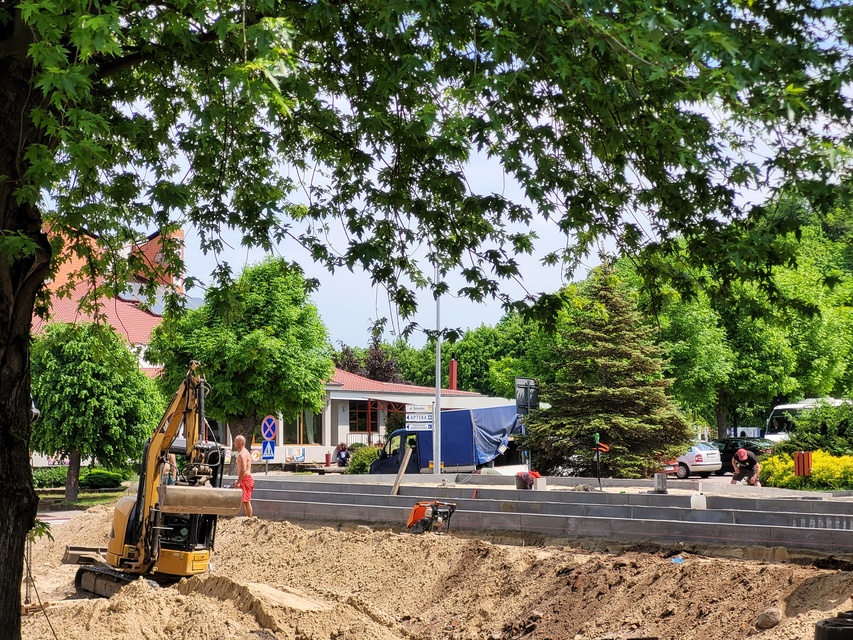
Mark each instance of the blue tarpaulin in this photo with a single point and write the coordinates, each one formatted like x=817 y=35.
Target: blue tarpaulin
x=471 y=436
x=492 y=429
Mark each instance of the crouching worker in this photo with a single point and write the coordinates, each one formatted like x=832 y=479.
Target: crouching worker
x=746 y=465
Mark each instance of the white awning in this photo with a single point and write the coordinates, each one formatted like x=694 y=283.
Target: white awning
x=447 y=401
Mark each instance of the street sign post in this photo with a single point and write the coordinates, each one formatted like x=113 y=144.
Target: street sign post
x=268 y=428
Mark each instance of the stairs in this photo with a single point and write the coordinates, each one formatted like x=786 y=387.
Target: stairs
x=768 y=519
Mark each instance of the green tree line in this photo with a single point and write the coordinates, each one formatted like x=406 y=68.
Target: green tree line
x=730 y=351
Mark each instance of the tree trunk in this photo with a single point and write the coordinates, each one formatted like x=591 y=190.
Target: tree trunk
x=21 y=276
x=242 y=426
x=722 y=415
x=72 y=481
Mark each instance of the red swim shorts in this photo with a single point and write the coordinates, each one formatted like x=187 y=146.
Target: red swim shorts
x=247 y=486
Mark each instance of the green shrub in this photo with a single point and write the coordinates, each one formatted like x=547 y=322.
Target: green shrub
x=824 y=428
x=829 y=473
x=49 y=477
x=361 y=459
x=100 y=479
x=778 y=471
x=126 y=472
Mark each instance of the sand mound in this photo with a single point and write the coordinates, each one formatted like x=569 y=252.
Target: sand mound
x=277 y=581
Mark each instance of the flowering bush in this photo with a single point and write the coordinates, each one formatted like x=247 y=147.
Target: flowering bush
x=828 y=472
x=832 y=472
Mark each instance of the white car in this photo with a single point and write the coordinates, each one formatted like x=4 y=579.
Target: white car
x=702 y=459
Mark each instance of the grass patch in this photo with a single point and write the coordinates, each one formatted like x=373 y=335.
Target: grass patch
x=51 y=501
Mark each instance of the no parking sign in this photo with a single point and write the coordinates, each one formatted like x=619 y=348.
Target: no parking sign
x=268 y=428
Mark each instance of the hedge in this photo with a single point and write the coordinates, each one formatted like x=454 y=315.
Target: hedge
x=829 y=473
x=55 y=477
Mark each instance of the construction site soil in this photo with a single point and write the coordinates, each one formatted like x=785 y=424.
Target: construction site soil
x=283 y=581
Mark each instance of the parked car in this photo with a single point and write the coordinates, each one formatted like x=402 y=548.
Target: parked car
x=669 y=467
x=702 y=459
x=728 y=447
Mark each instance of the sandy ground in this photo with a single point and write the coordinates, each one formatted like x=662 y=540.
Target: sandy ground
x=277 y=580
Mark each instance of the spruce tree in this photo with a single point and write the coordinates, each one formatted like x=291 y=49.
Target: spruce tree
x=609 y=381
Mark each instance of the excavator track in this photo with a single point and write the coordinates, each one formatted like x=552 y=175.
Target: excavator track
x=103 y=581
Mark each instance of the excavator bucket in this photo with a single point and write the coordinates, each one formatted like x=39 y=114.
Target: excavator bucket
x=203 y=500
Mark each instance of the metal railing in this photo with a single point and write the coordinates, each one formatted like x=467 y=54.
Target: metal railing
x=371 y=438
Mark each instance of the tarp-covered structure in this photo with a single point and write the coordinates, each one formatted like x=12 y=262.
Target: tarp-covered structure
x=471 y=435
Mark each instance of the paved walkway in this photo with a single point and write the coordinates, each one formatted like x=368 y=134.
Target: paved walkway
x=57 y=517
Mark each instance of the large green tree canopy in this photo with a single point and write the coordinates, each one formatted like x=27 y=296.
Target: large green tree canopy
x=261 y=343
x=634 y=119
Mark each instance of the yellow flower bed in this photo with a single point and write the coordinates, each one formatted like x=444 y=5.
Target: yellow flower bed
x=828 y=472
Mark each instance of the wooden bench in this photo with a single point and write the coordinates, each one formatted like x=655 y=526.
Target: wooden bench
x=324 y=470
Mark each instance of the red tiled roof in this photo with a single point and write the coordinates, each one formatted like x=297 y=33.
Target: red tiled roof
x=127 y=318
x=150 y=252
x=352 y=382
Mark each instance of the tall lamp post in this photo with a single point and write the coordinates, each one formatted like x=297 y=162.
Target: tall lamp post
x=436 y=418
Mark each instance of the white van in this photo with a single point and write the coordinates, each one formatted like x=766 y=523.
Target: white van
x=780 y=420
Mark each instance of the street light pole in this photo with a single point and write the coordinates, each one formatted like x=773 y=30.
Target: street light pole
x=436 y=419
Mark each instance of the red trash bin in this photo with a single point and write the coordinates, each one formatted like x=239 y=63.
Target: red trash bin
x=328 y=459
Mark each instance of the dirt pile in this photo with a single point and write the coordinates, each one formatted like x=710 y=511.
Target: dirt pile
x=277 y=581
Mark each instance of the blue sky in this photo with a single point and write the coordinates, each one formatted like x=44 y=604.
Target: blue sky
x=349 y=304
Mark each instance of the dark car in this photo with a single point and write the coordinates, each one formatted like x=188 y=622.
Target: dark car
x=728 y=447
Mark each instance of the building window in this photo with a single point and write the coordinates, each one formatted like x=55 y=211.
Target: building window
x=363 y=417
x=306 y=428
x=312 y=430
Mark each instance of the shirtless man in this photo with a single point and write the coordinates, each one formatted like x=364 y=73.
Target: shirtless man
x=245 y=481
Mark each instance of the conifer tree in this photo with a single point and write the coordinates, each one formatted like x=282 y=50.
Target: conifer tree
x=609 y=381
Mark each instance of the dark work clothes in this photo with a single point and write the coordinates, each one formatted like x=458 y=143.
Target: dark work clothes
x=750 y=463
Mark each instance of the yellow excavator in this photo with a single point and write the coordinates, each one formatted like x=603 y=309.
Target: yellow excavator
x=167 y=530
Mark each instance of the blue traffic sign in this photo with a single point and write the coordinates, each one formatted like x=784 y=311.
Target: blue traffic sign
x=268 y=427
x=268 y=450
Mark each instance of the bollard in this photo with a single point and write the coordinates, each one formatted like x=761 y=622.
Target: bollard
x=328 y=459
x=838 y=628
x=660 y=483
